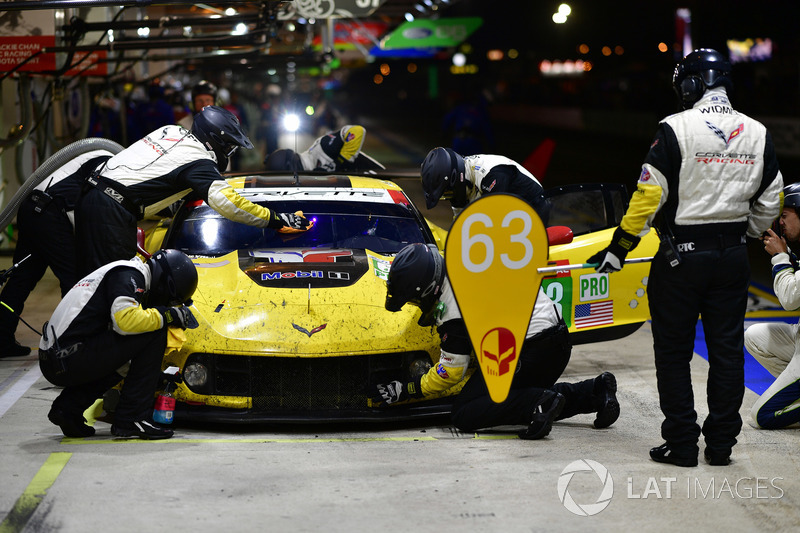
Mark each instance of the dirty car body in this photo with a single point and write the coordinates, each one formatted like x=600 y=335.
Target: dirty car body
x=293 y=327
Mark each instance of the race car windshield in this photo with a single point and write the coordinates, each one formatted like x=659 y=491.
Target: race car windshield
x=382 y=228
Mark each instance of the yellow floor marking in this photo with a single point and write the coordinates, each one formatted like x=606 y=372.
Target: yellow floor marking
x=23 y=509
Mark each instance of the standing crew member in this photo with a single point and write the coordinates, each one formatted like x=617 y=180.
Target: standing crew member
x=334 y=151
x=461 y=180
x=204 y=93
x=158 y=170
x=417 y=276
x=775 y=344
x=46 y=238
x=712 y=176
x=118 y=313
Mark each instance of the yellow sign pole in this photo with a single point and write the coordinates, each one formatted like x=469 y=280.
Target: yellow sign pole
x=493 y=252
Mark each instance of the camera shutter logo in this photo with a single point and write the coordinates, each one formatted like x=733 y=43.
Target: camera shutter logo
x=589 y=509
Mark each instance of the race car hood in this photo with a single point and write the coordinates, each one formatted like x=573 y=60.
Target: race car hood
x=303 y=302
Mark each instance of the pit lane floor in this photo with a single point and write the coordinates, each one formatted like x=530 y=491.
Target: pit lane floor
x=368 y=478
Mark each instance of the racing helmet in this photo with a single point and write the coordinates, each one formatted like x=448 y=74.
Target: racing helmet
x=416 y=276
x=174 y=278
x=220 y=132
x=700 y=70
x=791 y=196
x=442 y=174
x=204 y=87
x=283 y=159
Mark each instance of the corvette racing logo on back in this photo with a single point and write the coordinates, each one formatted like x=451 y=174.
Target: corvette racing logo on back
x=313 y=330
x=721 y=134
x=498 y=345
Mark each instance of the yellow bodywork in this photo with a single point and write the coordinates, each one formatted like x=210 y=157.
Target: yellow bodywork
x=627 y=289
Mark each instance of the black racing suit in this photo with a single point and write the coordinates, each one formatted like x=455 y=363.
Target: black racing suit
x=46 y=237
x=145 y=178
x=712 y=176
x=98 y=327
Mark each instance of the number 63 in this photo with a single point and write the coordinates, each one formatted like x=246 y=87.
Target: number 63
x=468 y=241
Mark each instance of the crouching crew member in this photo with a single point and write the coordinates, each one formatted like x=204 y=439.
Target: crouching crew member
x=118 y=314
x=535 y=400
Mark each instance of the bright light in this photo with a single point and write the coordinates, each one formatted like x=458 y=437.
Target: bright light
x=584 y=49
x=385 y=69
x=143 y=32
x=662 y=47
x=291 y=123
x=564 y=9
x=110 y=36
x=231 y=12
x=459 y=59
x=559 y=18
x=310 y=110
x=494 y=55
x=377 y=79
x=239 y=29
x=409 y=17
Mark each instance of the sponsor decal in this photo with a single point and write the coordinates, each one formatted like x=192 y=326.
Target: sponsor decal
x=654 y=144
x=594 y=314
x=491 y=186
x=350 y=136
x=266 y=276
x=593 y=287
x=442 y=371
x=307 y=332
x=721 y=134
x=499 y=345
x=645 y=175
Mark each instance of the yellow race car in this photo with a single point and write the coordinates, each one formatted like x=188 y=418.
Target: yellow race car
x=293 y=327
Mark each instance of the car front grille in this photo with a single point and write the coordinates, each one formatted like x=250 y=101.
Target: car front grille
x=302 y=384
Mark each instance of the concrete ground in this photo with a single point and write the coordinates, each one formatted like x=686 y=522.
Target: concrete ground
x=417 y=477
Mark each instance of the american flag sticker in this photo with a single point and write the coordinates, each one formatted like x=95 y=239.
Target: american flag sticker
x=594 y=314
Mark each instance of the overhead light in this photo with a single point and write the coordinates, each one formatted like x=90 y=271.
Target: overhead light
x=230 y=11
x=239 y=29
x=291 y=122
x=419 y=8
x=409 y=17
x=459 y=59
x=143 y=32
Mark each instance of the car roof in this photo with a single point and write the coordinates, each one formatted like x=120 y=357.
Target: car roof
x=258 y=181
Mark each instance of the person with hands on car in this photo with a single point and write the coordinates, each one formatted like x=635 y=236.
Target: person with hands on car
x=119 y=313
x=711 y=177
x=461 y=180
x=417 y=276
x=155 y=172
x=335 y=151
x=775 y=344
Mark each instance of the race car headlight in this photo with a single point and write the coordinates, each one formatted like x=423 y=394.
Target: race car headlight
x=195 y=375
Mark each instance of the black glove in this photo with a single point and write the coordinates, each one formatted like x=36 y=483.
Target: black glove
x=395 y=391
x=294 y=221
x=180 y=317
x=612 y=257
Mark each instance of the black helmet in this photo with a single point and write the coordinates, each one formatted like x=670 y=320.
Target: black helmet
x=416 y=276
x=204 y=87
x=700 y=70
x=791 y=196
x=443 y=177
x=220 y=131
x=174 y=278
x=283 y=159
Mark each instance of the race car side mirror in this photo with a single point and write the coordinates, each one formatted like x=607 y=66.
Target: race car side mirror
x=559 y=235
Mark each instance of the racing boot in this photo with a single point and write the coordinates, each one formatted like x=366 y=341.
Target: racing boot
x=143 y=429
x=605 y=393
x=72 y=424
x=665 y=454
x=547 y=409
x=9 y=347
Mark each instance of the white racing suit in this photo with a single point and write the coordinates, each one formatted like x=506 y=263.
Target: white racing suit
x=488 y=174
x=774 y=345
x=336 y=150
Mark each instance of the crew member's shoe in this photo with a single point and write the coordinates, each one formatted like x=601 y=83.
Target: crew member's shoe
x=72 y=425
x=717 y=458
x=547 y=409
x=605 y=387
x=664 y=454
x=11 y=348
x=144 y=429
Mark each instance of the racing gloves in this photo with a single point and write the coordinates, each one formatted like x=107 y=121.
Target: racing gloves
x=290 y=222
x=612 y=257
x=395 y=391
x=180 y=317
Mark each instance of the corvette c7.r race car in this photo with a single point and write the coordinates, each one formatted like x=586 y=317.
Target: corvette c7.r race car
x=293 y=326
